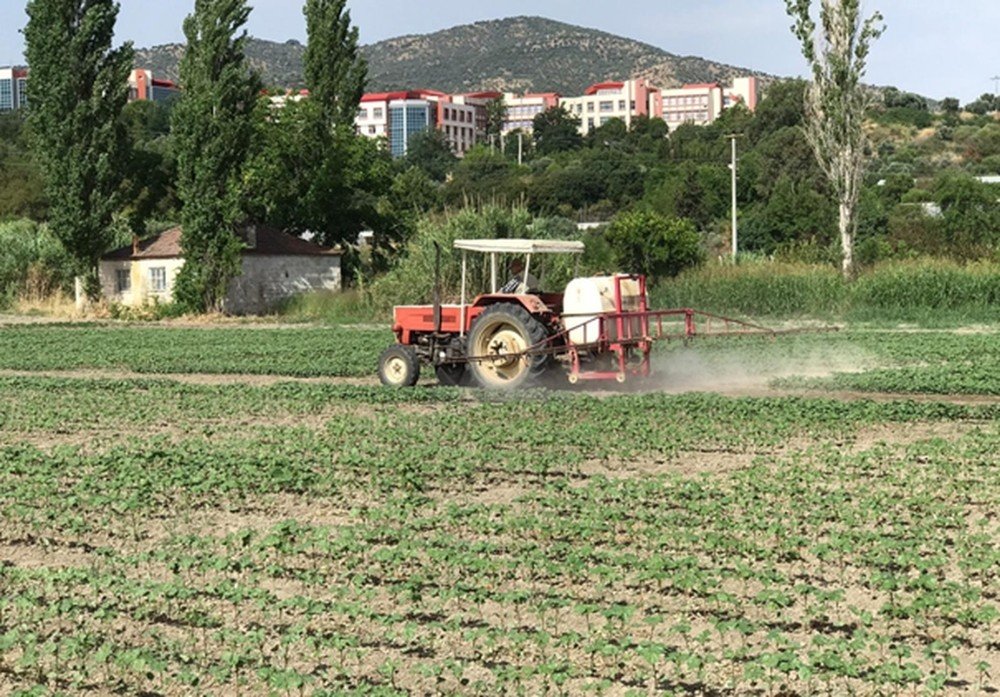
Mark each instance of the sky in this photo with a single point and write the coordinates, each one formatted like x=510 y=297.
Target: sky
x=932 y=48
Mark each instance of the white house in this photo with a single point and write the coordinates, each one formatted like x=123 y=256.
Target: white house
x=275 y=267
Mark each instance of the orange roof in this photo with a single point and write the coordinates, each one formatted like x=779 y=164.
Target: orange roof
x=593 y=89
x=400 y=94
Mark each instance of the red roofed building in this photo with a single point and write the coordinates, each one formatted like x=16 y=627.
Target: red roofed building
x=615 y=100
x=397 y=116
x=142 y=86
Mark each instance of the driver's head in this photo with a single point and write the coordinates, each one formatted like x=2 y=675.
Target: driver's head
x=516 y=265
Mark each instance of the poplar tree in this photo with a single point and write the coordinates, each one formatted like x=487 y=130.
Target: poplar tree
x=836 y=102
x=335 y=71
x=213 y=124
x=77 y=90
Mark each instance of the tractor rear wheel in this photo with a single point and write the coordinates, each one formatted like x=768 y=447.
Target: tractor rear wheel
x=399 y=366
x=499 y=337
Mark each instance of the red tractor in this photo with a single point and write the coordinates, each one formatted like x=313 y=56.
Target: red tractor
x=598 y=328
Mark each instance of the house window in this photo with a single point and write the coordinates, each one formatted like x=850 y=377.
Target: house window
x=621 y=105
x=377 y=113
x=123 y=280
x=362 y=114
x=371 y=130
x=590 y=107
x=607 y=106
x=158 y=279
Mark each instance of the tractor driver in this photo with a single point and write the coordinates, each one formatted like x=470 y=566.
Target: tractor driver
x=519 y=282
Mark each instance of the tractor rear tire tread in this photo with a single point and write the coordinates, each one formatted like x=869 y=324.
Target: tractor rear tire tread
x=531 y=329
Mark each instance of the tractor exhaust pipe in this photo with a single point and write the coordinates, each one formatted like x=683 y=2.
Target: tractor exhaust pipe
x=437 y=288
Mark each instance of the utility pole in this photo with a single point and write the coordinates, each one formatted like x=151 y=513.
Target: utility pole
x=732 y=138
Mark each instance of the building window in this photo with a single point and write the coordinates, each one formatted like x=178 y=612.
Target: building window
x=22 y=93
x=158 y=279
x=371 y=130
x=377 y=113
x=362 y=114
x=633 y=105
x=123 y=280
x=6 y=95
x=621 y=105
x=607 y=106
x=590 y=124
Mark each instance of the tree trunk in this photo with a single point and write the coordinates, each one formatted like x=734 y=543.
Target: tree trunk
x=847 y=237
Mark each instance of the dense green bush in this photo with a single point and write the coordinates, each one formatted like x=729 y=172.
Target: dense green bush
x=649 y=243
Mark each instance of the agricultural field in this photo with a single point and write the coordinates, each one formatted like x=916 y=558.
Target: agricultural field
x=243 y=510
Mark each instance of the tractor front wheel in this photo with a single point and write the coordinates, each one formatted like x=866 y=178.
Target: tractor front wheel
x=399 y=366
x=497 y=343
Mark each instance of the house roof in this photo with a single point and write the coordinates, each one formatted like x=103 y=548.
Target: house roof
x=270 y=242
x=594 y=89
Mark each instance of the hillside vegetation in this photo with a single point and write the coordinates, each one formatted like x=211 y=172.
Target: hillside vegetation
x=515 y=54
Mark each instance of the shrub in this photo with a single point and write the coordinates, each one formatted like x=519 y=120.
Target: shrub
x=649 y=243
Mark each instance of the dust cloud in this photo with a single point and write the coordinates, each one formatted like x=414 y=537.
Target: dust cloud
x=691 y=369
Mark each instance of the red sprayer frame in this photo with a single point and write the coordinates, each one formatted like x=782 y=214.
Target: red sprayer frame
x=628 y=335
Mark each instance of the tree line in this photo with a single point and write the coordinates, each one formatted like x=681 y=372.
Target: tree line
x=223 y=154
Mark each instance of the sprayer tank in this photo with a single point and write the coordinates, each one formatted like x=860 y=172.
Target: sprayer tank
x=586 y=299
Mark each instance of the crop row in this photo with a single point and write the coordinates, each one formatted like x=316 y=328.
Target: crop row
x=936 y=362
x=303 y=537
x=823 y=570
x=313 y=351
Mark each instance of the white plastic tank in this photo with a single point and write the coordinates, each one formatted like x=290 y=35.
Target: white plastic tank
x=587 y=298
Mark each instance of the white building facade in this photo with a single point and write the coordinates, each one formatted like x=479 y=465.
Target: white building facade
x=605 y=101
x=13 y=89
x=701 y=104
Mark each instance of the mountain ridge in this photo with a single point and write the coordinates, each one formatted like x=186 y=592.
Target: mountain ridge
x=515 y=54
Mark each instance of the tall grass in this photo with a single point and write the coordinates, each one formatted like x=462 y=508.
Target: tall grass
x=927 y=291
x=758 y=288
x=33 y=263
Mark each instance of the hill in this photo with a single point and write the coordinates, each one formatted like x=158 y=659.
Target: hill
x=517 y=54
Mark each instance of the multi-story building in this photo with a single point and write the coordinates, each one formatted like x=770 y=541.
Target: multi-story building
x=142 y=86
x=701 y=104
x=521 y=110
x=614 y=100
x=13 y=88
x=481 y=101
x=398 y=115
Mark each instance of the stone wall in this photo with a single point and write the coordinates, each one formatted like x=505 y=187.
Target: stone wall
x=266 y=281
